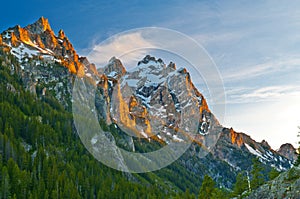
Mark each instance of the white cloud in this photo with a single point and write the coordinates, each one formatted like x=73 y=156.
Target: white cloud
x=130 y=47
x=252 y=71
x=264 y=94
x=271 y=92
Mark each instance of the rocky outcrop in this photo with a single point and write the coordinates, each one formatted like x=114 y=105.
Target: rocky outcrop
x=287 y=150
x=286 y=185
x=114 y=68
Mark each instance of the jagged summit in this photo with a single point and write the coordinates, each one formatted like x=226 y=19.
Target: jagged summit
x=39 y=40
x=266 y=144
x=61 y=34
x=114 y=68
x=153 y=90
x=40 y=26
x=149 y=58
x=172 y=65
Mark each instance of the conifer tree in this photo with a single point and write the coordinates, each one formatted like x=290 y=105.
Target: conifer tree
x=257 y=174
x=207 y=188
x=241 y=184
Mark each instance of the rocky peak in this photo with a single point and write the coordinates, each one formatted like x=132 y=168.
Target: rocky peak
x=265 y=144
x=149 y=58
x=61 y=34
x=40 y=26
x=236 y=147
x=287 y=150
x=172 y=65
x=151 y=91
x=40 y=40
x=114 y=68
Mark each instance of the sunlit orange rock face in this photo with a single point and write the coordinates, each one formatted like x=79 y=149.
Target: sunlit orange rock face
x=22 y=35
x=39 y=41
x=236 y=138
x=103 y=82
x=39 y=35
x=14 y=40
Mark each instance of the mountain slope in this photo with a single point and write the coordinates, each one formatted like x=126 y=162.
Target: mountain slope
x=142 y=86
x=286 y=185
x=42 y=157
x=154 y=101
x=40 y=55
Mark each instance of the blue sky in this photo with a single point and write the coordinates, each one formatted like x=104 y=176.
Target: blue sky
x=256 y=47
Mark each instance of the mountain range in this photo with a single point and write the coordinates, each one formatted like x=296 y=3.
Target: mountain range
x=150 y=106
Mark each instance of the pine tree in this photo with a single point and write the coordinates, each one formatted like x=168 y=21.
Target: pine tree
x=273 y=173
x=257 y=174
x=5 y=183
x=241 y=184
x=207 y=188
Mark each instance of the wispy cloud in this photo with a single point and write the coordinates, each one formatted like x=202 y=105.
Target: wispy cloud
x=130 y=47
x=264 y=94
x=252 y=71
x=216 y=37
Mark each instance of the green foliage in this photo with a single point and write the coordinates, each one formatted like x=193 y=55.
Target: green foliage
x=297 y=163
x=273 y=173
x=209 y=191
x=293 y=174
x=207 y=188
x=220 y=193
x=257 y=173
x=241 y=184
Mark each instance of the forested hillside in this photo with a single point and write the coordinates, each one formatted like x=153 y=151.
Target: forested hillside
x=42 y=157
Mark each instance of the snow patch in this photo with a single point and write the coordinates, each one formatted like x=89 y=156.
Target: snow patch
x=112 y=74
x=22 y=51
x=254 y=152
x=176 y=138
